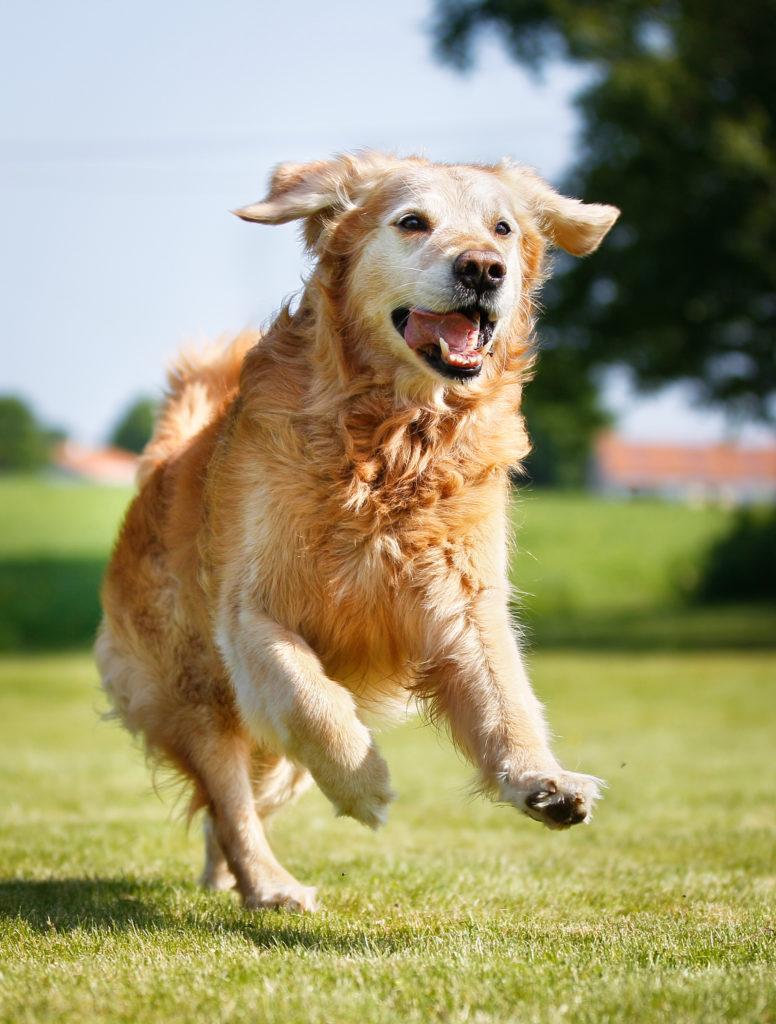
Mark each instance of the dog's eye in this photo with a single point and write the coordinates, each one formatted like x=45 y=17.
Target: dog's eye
x=412 y=223
x=502 y=228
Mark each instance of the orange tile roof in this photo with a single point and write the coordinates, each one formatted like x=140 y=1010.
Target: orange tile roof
x=103 y=465
x=632 y=464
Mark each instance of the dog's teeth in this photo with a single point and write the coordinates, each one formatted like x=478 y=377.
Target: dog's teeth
x=445 y=349
x=487 y=346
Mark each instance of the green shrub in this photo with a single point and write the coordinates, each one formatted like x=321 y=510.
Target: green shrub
x=741 y=564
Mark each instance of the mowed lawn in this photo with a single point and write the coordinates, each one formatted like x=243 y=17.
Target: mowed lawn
x=663 y=909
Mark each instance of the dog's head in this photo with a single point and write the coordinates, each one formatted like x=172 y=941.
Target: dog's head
x=436 y=264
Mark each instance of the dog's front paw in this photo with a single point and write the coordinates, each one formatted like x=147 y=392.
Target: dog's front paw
x=559 y=799
x=367 y=792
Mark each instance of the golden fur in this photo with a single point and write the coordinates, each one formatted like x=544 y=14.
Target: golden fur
x=321 y=524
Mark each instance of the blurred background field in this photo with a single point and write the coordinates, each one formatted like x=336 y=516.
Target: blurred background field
x=588 y=571
x=54 y=543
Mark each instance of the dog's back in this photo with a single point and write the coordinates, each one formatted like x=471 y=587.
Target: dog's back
x=154 y=649
x=200 y=386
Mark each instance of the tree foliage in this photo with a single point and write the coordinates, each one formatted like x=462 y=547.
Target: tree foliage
x=134 y=429
x=24 y=444
x=562 y=413
x=679 y=130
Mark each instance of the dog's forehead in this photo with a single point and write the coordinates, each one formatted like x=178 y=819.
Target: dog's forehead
x=439 y=190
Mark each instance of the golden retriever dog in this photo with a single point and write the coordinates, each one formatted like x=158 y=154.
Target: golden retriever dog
x=320 y=533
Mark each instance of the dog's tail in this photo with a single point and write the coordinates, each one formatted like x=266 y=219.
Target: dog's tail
x=199 y=386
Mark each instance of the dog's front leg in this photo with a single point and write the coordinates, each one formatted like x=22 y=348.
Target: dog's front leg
x=480 y=684
x=288 y=701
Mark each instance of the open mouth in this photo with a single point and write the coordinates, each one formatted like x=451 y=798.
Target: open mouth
x=454 y=344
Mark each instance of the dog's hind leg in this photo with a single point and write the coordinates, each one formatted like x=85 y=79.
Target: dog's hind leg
x=237 y=851
x=216 y=873
x=275 y=780
x=287 y=699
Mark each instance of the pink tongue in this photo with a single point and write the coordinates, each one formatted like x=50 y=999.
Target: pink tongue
x=427 y=328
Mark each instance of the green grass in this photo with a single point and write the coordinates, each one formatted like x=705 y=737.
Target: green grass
x=602 y=573
x=661 y=910
x=54 y=541
x=45 y=518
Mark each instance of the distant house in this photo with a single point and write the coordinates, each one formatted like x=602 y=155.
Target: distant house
x=97 y=465
x=727 y=473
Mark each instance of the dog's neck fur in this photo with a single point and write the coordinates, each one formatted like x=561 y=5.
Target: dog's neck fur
x=383 y=450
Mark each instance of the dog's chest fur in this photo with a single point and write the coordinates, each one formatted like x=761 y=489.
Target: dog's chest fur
x=381 y=524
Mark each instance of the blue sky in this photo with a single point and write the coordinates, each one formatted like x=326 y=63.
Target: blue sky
x=129 y=130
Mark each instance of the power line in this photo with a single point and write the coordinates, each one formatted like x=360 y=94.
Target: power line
x=38 y=151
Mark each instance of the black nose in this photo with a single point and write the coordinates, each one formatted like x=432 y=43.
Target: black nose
x=484 y=271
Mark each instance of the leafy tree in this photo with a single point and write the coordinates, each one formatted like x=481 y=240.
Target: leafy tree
x=679 y=130
x=134 y=429
x=563 y=413
x=24 y=443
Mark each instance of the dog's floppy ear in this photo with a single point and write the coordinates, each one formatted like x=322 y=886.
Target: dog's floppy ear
x=314 y=191
x=577 y=227
x=297 y=190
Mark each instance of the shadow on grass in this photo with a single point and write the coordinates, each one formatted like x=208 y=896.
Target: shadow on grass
x=72 y=903
x=49 y=603
x=125 y=906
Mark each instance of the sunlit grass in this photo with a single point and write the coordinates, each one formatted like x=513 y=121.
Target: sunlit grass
x=661 y=910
